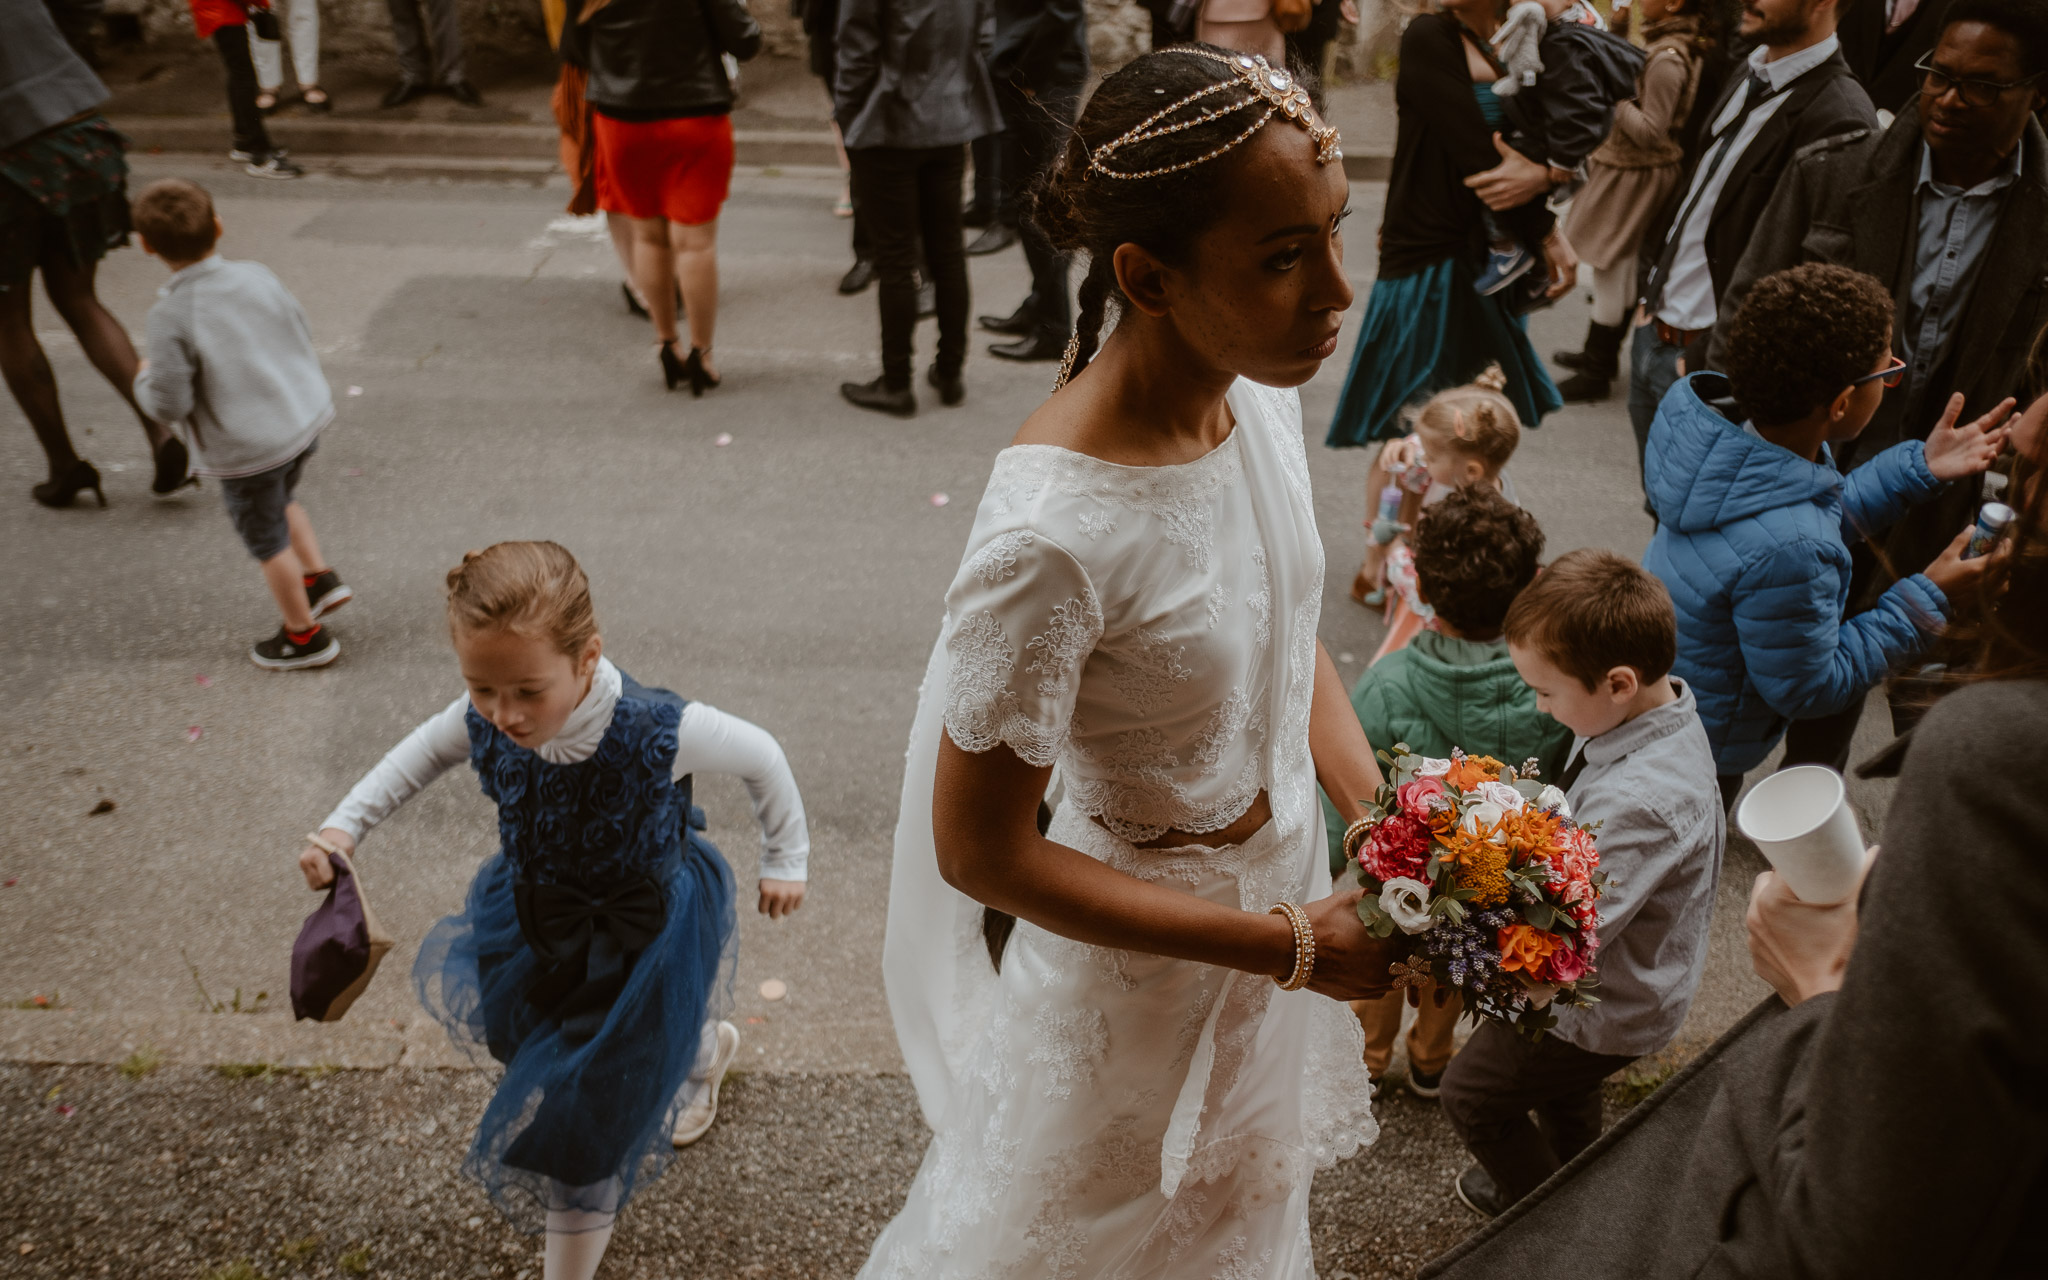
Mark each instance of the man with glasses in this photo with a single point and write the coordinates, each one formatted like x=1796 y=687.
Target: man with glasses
x=1949 y=209
x=1794 y=89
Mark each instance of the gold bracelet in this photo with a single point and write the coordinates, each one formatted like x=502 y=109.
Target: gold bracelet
x=1354 y=836
x=1304 y=945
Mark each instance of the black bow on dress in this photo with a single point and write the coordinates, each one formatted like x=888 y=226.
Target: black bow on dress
x=583 y=940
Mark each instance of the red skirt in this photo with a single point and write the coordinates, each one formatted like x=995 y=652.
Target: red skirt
x=677 y=169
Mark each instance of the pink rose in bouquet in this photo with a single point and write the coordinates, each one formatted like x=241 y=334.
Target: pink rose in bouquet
x=1566 y=964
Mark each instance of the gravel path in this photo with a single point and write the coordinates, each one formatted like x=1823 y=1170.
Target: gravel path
x=185 y=1173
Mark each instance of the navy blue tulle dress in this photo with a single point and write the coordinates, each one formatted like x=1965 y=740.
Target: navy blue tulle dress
x=593 y=948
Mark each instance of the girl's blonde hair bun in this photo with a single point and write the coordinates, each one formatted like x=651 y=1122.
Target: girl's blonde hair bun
x=533 y=588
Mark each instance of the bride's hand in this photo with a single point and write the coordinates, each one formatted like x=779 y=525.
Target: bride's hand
x=1351 y=964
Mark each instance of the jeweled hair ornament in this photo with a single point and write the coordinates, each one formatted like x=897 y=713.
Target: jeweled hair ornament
x=1259 y=82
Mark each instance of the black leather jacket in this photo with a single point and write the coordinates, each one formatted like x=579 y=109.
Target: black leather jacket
x=658 y=59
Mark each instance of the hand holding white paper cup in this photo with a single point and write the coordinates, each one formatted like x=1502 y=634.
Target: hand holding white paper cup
x=1802 y=821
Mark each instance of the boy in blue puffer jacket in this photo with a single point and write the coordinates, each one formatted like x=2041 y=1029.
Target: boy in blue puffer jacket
x=1754 y=522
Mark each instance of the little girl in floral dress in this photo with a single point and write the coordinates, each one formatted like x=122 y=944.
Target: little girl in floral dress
x=594 y=955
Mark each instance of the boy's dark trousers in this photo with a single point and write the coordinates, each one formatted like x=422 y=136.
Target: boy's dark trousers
x=250 y=135
x=908 y=193
x=1498 y=1078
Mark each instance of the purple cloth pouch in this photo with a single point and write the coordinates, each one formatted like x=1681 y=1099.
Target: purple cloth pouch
x=338 y=949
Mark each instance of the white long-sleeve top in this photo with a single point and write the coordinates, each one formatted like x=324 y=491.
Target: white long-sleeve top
x=707 y=741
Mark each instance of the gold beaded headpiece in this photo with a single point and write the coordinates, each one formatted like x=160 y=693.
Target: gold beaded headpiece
x=1258 y=81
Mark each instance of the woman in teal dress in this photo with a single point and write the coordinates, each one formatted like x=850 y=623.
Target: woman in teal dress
x=1426 y=328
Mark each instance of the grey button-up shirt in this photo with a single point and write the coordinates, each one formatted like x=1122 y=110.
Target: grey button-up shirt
x=1650 y=784
x=1955 y=230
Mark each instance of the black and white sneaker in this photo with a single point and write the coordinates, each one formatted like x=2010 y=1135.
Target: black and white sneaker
x=1423 y=1084
x=273 y=165
x=240 y=156
x=282 y=653
x=326 y=593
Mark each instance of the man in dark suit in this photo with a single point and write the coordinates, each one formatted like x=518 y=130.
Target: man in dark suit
x=1882 y=39
x=1040 y=65
x=1949 y=208
x=1794 y=89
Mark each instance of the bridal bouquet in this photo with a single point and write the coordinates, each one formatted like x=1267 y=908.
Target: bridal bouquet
x=1485 y=870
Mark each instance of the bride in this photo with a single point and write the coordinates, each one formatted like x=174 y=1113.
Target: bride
x=1107 y=1023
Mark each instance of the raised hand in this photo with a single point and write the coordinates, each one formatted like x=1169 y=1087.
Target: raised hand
x=1955 y=451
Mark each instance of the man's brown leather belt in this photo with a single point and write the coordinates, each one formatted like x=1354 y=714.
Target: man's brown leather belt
x=1671 y=337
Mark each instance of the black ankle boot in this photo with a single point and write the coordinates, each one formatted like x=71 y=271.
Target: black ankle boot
x=880 y=397
x=1597 y=365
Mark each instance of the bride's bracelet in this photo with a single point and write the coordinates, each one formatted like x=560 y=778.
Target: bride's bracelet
x=1304 y=946
x=1354 y=837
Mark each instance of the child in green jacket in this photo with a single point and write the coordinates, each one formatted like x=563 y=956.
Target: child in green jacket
x=1453 y=686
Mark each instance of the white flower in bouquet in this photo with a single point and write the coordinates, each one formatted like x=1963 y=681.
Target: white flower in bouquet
x=1431 y=767
x=1407 y=901
x=1553 y=798
x=1482 y=816
x=1502 y=794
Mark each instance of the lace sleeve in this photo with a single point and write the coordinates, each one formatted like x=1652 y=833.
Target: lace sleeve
x=1024 y=619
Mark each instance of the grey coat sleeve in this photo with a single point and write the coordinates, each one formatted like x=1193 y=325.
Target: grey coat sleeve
x=859 y=62
x=1869 y=1173
x=166 y=388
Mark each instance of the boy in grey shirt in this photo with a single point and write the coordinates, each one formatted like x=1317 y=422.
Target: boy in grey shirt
x=1594 y=635
x=231 y=356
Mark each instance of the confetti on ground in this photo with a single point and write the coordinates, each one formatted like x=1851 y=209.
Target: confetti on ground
x=203 y=681
x=755 y=1021
x=351 y=471
x=355 y=391
x=774 y=989
x=66 y=1110
x=194 y=734
x=104 y=806
x=940 y=499
x=9 y=884
x=724 y=438
x=1345 y=657
x=117 y=466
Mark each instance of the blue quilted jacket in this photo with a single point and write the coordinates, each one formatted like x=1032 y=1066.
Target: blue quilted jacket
x=1753 y=544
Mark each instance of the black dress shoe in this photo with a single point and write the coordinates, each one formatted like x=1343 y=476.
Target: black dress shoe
x=1019 y=322
x=997 y=238
x=1042 y=344
x=403 y=92
x=465 y=93
x=951 y=390
x=876 y=395
x=858 y=277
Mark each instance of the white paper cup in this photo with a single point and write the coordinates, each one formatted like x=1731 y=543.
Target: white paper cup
x=1801 y=819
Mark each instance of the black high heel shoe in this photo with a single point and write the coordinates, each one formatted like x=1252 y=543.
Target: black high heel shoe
x=173 y=469
x=59 y=491
x=673 y=368
x=700 y=379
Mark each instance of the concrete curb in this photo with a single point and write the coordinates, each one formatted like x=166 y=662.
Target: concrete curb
x=494 y=150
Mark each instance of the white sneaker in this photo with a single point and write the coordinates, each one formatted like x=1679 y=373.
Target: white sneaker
x=696 y=1119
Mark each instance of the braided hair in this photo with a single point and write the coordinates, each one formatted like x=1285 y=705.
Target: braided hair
x=1164 y=212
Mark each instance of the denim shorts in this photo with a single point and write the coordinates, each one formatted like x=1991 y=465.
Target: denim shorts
x=256 y=505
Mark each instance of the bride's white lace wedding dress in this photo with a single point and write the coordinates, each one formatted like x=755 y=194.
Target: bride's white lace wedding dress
x=1101 y=1113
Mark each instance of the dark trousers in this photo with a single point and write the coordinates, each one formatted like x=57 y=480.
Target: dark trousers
x=1498 y=1078
x=442 y=30
x=1033 y=130
x=907 y=193
x=988 y=173
x=233 y=44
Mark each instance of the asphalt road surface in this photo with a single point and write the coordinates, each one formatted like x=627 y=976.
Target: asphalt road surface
x=766 y=549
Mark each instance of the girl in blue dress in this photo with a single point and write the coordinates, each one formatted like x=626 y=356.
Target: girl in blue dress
x=594 y=956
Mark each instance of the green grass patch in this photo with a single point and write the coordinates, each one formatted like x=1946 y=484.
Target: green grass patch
x=141 y=1062
x=297 y=1251
x=356 y=1261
